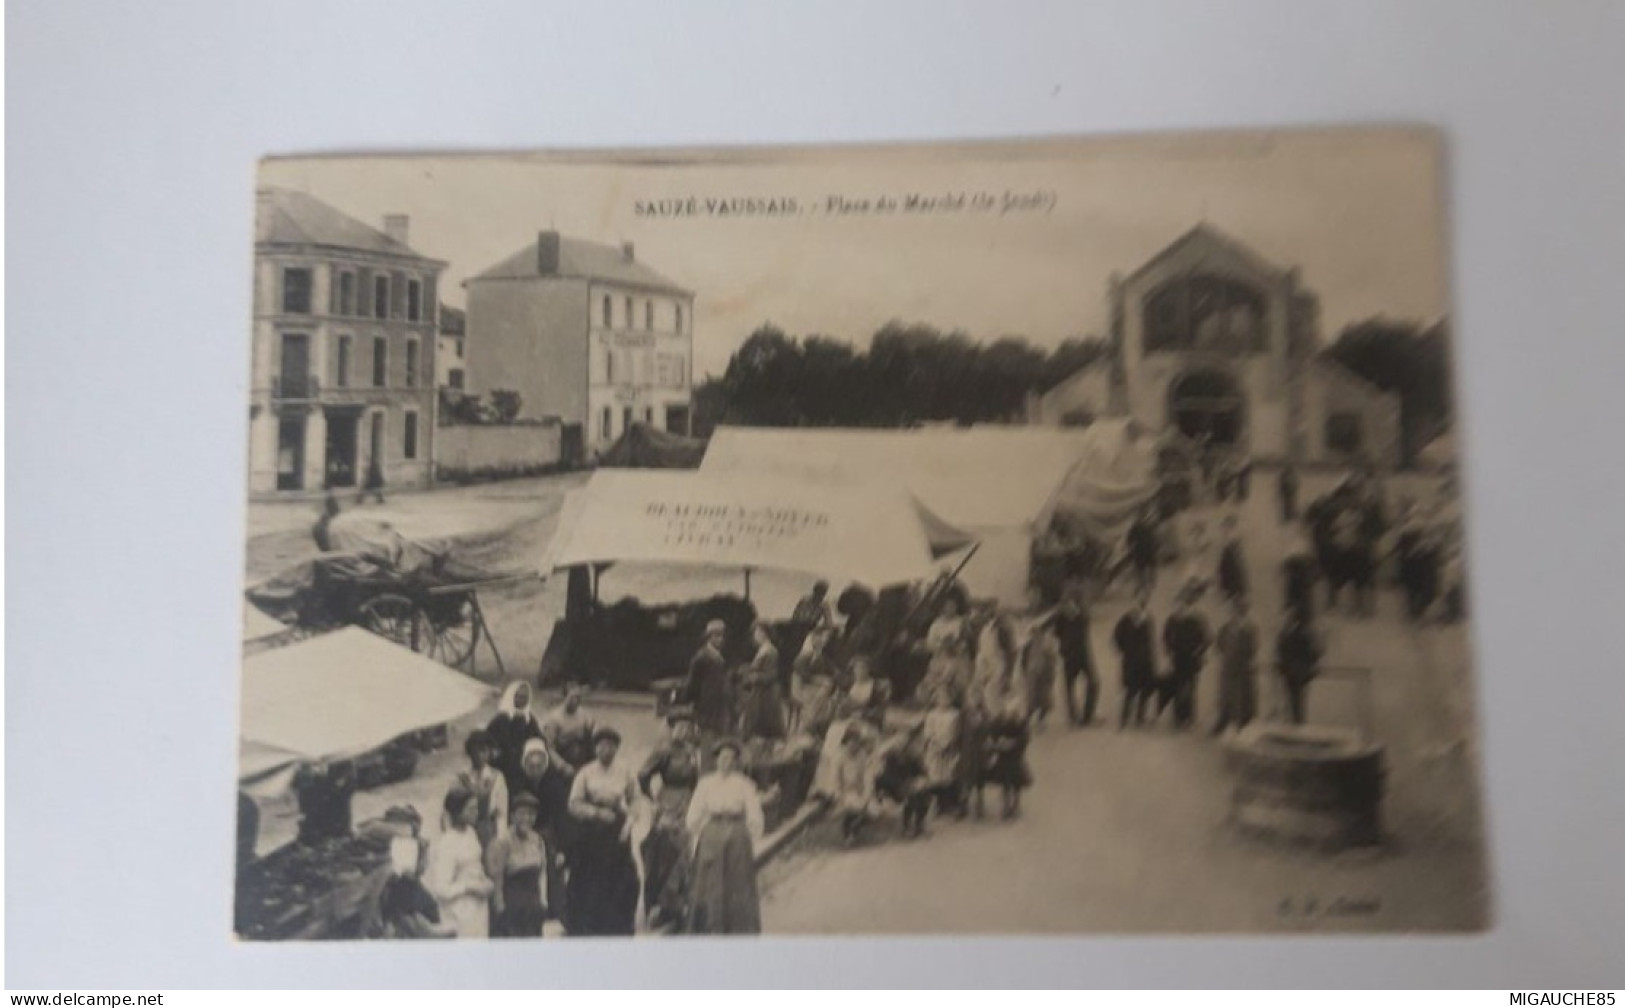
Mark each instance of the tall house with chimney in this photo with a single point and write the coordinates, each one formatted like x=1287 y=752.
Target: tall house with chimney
x=584 y=332
x=344 y=350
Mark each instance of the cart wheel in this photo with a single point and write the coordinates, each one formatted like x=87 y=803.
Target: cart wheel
x=454 y=639
x=397 y=618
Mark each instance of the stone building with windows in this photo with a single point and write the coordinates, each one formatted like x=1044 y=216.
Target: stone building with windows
x=343 y=370
x=587 y=333
x=451 y=349
x=1210 y=340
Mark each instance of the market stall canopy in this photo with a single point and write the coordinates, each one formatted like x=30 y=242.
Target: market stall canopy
x=973 y=477
x=338 y=696
x=1113 y=477
x=873 y=533
x=1003 y=484
x=645 y=447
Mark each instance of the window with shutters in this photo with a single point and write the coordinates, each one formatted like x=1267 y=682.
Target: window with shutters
x=609 y=367
x=608 y=321
x=344 y=362
x=678 y=326
x=414 y=300
x=296 y=283
x=411 y=363
x=380 y=297
x=363 y=285
x=629 y=322
x=409 y=436
x=648 y=314
x=380 y=361
x=346 y=296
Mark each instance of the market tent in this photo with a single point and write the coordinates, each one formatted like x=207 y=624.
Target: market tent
x=645 y=447
x=1115 y=476
x=1001 y=484
x=876 y=534
x=338 y=696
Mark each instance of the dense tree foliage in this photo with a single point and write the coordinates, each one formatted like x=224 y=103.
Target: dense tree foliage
x=1410 y=360
x=909 y=374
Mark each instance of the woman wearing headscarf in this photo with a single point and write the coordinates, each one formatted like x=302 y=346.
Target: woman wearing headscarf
x=725 y=820
x=456 y=873
x=549 y=781
x=603 y=890
x=676 y=767
x=517 y=862
x=515 y=724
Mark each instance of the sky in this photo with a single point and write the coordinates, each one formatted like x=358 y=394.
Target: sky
x=1359 y=213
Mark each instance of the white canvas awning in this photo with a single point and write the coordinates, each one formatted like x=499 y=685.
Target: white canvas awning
x=874 y=534
x=340 y=695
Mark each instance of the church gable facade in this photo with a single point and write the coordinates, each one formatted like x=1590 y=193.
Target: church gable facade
x=1213 y=342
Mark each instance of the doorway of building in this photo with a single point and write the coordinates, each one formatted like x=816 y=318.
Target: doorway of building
x=290 y=452
x=341 y=448
x=1208 y=406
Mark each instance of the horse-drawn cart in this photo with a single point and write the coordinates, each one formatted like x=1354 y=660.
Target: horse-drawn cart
x=432 y=606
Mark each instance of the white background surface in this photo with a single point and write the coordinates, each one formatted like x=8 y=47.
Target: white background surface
x=133 y=131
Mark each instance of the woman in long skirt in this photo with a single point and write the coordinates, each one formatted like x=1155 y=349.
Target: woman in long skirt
x=676 y=767
x=602 y=898
x=456 y=873
x=516 y=861
x=725 y=818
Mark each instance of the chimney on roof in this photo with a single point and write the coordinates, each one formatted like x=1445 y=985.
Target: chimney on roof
x=547 y=253
x=626 y=251
x=395 y=226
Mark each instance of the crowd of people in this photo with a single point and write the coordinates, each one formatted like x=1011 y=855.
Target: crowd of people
x=537 y=836
x=539 y=830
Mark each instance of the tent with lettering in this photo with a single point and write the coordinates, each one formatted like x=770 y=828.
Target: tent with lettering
x=337 y=696
x=1002 y=485
x=874 y=533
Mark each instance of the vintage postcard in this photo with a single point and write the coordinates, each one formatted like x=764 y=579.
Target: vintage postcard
x=1054 y=537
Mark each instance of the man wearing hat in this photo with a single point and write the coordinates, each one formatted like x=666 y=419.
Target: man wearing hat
x=708 y=686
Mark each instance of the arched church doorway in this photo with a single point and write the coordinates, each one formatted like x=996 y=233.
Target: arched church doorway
x=1207 y=406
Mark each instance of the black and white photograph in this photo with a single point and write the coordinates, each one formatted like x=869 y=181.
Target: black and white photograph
x=1025 y=537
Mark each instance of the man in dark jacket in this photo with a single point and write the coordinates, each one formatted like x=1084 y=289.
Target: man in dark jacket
x=1232 y=563
x=1297 y=661
x=1187 y=639
x=708 y=686
x=1143 y=547
x=1287 y=489
x=1135 y=637
x=1071 y=625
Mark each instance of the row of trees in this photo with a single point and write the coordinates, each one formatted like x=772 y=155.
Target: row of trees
x=459 y=408
x=912 y=373
x=908 y=374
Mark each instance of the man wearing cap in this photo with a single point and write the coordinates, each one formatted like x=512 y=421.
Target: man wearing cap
x=708 y=686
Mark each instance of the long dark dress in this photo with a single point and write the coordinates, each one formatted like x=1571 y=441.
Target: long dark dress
x=1136 y=646
x=666 y=849
x=708 y=691
x=761 y=706
x=603 y=888
x=1238 y=693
